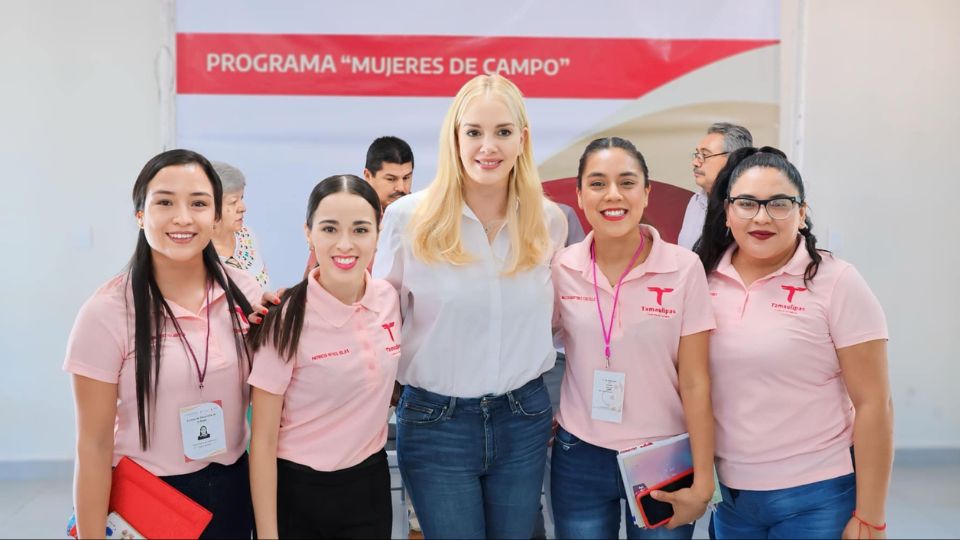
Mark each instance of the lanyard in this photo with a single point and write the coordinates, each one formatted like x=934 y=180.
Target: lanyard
x=616 y=294
x=201 y=374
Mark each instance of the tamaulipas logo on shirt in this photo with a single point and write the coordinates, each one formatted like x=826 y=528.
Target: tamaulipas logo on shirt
x=389 y=328
x=790 y=307
x=659 y=310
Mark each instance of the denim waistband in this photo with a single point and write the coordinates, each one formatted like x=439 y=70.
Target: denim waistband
x=452 y=402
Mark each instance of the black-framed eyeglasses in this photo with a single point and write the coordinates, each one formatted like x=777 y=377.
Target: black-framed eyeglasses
x=700 y=156
x=777 y=207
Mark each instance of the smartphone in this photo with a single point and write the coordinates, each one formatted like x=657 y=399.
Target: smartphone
x=655 y=513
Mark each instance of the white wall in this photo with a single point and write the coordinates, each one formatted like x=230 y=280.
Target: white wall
x=79 y=116
x=873 y=115
x=876 y=117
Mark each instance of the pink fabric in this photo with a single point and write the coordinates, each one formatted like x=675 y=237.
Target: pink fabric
x=662 y=299
x=337 y=387
x=782 y=411
x=101 y=347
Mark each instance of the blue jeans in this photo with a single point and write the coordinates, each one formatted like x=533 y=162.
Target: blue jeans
x=818 y=510
x=587 y=493
x=474 y=466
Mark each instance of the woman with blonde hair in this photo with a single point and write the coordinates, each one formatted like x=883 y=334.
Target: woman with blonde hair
x=470 y=257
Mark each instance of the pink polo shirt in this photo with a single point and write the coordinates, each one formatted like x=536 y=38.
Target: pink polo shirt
x=101 y=347
x=337 y=387
x=661 y=300
x=783 y=416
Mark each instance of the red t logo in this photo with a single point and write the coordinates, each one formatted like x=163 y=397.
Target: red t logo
x=791 y=291
x=659 y=291
x=389 y=328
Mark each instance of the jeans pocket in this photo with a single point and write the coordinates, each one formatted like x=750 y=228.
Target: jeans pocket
x=566 y=439
x=417 y=413
x=536 y=403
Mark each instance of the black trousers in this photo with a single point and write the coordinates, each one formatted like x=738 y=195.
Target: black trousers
x=224 y=490
x=349 y=503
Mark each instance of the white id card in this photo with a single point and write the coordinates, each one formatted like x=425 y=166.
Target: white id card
x=608 y=395
x=117 y=527
x=202 y=430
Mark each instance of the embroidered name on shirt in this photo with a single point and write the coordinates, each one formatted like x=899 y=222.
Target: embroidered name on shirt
x=577 y=297
x=331 y=354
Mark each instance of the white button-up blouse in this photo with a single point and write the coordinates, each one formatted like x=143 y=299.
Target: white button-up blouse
x=468 y=330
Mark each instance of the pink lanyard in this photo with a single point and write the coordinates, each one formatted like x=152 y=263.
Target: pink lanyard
x=616 y=294
x=206 y=353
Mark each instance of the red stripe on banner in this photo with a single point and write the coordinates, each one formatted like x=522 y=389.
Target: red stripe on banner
x=436 y=66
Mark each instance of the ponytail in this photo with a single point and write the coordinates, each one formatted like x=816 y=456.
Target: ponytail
x=283 y=323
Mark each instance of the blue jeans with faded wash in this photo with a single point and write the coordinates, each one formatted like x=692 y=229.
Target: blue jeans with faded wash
x=816 y=510
x=588 y=495
x=474 y=466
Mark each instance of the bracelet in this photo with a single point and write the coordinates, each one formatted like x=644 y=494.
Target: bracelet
x=861 y=523
x=868 y=524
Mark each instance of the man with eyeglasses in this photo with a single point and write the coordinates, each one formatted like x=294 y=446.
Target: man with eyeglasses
x=709 y=157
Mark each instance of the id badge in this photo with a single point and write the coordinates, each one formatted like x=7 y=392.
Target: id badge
x=608 y=395
x=117 y=527
x=202 y=430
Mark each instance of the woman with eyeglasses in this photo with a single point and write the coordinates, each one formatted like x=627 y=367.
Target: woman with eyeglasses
x=798 y=363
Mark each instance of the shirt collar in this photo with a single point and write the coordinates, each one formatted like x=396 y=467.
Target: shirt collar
x=180 y=312
x=702 y=198
x=659 y=261
x=334 y=311
x=796 y=266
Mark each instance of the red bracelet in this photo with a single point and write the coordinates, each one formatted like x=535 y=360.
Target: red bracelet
x=869 y=525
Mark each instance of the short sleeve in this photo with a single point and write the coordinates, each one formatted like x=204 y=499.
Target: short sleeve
x=98 y=342
x=697 y=307
x=855 y=314
x=271 y=372
x=388 y=263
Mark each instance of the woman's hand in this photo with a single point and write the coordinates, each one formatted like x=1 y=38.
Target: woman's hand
x=688 y=505
x=259 y=310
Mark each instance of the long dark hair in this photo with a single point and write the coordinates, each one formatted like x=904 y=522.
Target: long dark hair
x=716 y=238
x=150 y=308
x=284 y=322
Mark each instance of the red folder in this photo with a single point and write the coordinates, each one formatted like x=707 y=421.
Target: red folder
x=153 y=507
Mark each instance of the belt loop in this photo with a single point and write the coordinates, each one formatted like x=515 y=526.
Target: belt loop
x=451 y=407
x=514 y=407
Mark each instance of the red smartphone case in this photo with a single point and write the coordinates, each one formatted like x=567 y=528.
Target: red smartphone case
x=646 y=492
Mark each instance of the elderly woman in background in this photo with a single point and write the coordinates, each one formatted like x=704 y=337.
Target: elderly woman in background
x=234 y=241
